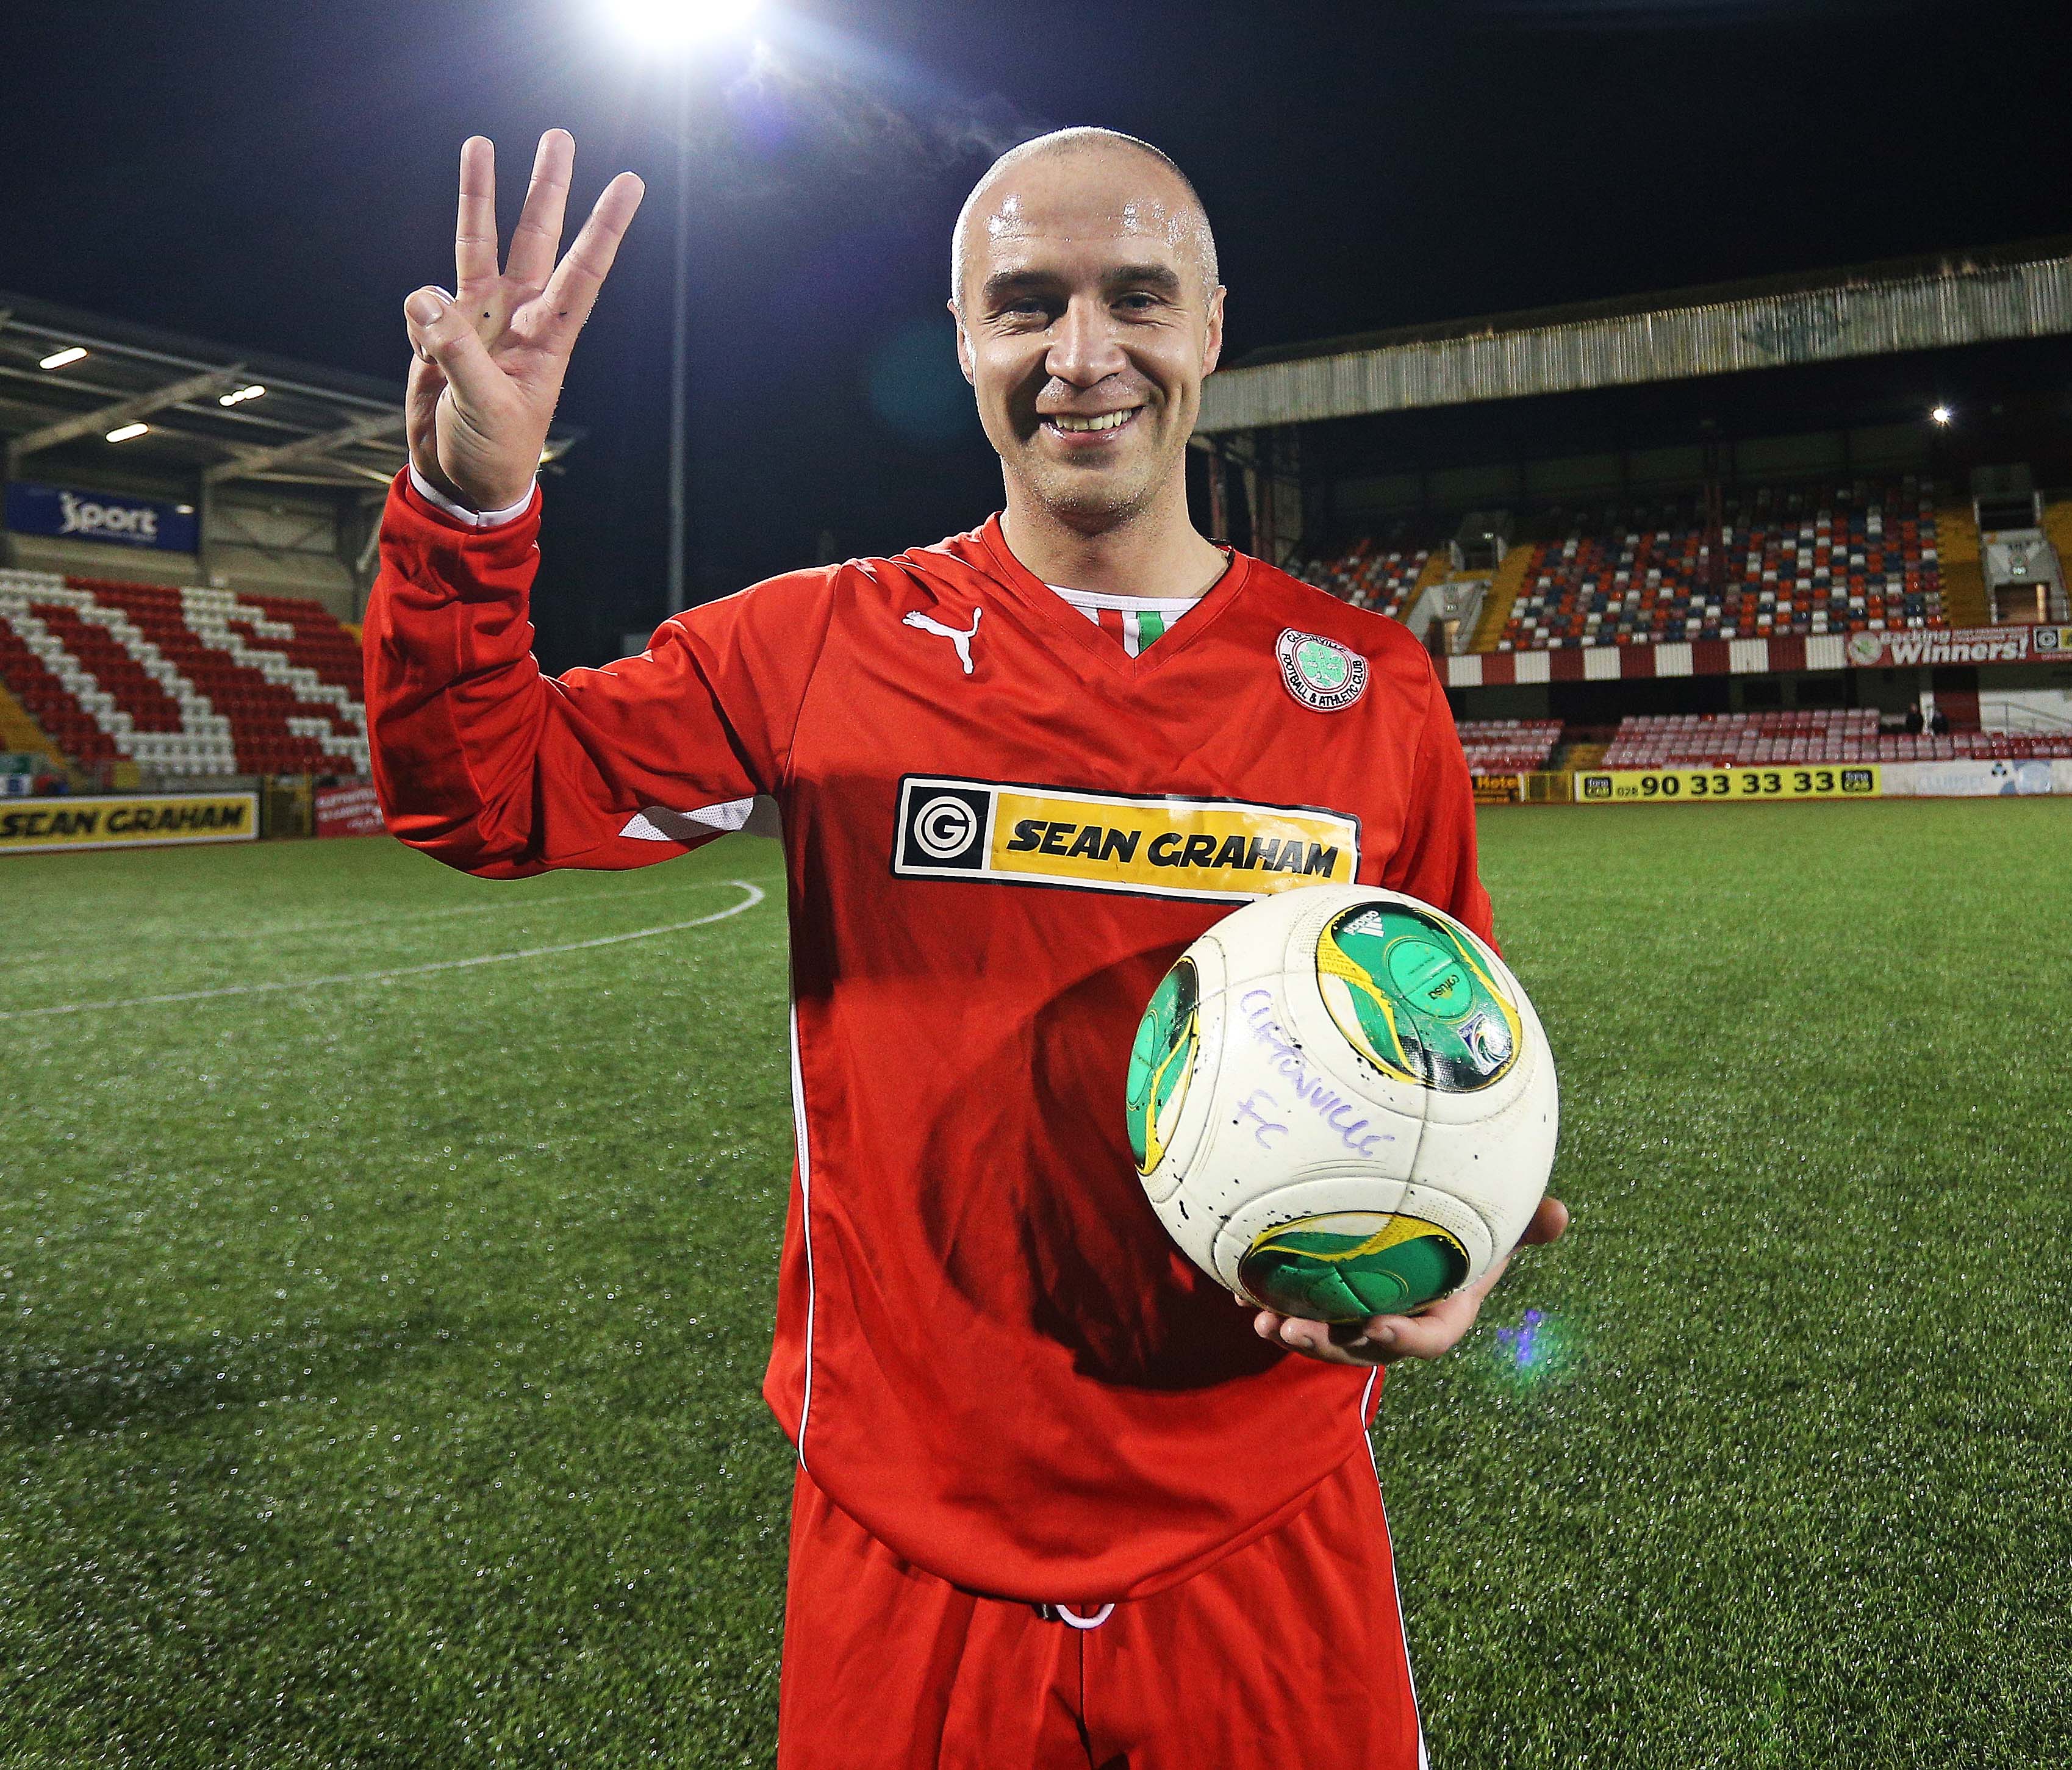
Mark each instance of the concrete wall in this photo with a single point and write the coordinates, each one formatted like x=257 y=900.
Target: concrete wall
x=282 y=541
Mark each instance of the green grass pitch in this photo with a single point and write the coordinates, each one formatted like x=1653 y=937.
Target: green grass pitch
x=379 y=1357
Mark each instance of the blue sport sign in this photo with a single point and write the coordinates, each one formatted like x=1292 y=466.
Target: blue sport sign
x=70 y=514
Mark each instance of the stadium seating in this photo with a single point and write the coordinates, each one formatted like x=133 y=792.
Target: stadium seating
x=182 y=681
x=1506 y=746
x=1368 y=576
x=1792 y=563
x=1771 y=739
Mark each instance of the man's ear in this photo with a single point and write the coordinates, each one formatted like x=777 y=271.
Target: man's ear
x=1214 y=350
x=964 y=344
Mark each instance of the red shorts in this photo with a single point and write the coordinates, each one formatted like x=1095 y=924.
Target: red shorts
x=1288 y=1651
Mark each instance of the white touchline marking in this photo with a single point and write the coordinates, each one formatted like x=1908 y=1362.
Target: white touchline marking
x=515 y=901
x=756 y=896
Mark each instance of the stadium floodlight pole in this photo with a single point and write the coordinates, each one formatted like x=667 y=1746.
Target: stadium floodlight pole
x=678 y=27
x=680 y=466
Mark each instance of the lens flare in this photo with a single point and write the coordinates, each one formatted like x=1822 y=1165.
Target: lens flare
x=1534 y=1349
x=1522 y=1341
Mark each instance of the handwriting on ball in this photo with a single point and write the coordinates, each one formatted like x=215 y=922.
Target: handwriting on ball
x=1311 y=1091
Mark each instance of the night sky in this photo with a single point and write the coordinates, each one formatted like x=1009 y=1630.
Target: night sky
x=277 y=176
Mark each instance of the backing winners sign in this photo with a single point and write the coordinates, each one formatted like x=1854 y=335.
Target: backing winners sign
x=2015 y=644
x=1681 y=785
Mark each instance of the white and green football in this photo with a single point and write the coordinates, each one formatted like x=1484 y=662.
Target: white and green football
x=1342 y=1104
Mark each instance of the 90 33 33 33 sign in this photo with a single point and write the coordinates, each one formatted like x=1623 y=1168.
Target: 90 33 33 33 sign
x=1696 y=786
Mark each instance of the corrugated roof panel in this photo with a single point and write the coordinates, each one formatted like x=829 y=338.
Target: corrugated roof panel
x=1961 y=306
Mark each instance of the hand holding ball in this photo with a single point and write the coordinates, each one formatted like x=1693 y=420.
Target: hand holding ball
x=1342 y=1104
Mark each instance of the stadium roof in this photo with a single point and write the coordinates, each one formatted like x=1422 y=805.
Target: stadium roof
x=312 y=425
x=2007 y=292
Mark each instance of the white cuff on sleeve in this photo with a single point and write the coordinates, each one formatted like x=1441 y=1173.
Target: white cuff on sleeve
x=460 y=513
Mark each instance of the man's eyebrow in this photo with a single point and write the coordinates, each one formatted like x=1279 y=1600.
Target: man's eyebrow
x=1002 y=283
x=1161 y=277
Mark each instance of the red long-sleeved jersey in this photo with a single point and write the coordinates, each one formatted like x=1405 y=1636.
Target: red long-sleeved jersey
x=999 y=830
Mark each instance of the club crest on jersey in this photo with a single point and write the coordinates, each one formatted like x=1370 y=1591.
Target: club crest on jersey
x=1319 y=672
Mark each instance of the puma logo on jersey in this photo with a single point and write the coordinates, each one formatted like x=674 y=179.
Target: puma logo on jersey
x=957 y=636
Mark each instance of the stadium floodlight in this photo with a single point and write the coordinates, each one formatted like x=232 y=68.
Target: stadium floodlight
x=57 y=359
x=122 y=432
x=1942 y=414
x=677 y=24
x=237 y=396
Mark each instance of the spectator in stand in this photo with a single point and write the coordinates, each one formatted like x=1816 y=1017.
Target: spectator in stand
x=1938 y=726
x=1914 y=721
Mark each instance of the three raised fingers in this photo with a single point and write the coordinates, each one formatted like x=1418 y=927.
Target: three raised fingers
x=571 y=286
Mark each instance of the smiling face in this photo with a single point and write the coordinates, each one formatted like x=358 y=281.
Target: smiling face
x=1088 y=315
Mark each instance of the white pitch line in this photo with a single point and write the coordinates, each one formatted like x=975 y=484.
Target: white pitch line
x=756 y=896
x=516 y=901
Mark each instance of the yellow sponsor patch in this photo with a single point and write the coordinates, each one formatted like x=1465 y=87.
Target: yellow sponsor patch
x=1158 y=846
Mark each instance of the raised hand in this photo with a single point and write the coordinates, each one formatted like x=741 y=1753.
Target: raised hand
x=488 y=359
x=1385 y=1338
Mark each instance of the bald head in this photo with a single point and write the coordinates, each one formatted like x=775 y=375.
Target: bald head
x=1141 y=188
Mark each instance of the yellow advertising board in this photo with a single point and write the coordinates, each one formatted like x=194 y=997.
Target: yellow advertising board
x=1696 y=786
x=1499 y=789
x=61 y=825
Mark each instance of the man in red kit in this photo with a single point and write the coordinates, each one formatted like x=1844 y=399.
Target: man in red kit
x=1057 y=1502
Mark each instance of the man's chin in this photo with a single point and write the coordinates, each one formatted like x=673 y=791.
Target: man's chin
x=1089 y=498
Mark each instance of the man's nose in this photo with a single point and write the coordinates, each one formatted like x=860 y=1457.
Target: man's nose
x=1085 y=349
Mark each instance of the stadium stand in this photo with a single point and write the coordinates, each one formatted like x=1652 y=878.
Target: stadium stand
x=182 y=681
x=1499 y=746
x=1368 y=576
x=1766 y=740
x=1792 y=563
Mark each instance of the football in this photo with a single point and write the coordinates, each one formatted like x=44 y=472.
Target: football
x=1342 y=1104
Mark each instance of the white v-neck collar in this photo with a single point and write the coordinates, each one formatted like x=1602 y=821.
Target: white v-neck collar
x=1132 y=605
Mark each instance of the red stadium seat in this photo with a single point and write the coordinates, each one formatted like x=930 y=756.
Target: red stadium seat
x=182 y=681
